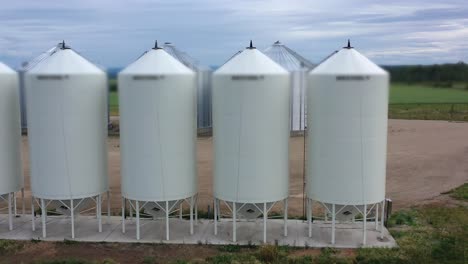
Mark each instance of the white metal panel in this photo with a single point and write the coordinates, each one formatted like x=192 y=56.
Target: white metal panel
x=347 y=129
x=11 y=175
x=298 y=67
x=67 y=115
x=157 y=99
x=203 y=83
x=251 y=129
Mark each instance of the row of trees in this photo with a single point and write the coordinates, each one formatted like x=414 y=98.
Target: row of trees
x=437 y=73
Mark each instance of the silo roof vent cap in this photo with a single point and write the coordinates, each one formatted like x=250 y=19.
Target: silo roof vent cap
x=156 y=45
x=251 y=46
x=349 y=45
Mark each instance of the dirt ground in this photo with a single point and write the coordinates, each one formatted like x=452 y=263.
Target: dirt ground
x=425 y=158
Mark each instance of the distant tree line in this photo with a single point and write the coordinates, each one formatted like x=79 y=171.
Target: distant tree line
x=439 y=75
x=436 y=74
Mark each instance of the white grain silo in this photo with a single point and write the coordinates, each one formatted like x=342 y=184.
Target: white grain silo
x=66 y=98
x=158 y=129
x=251 y=136
x=11 y=175
x=204 y=116
x=347 y=128
x=298 y=66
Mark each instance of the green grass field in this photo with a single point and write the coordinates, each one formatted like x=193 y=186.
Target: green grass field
x=418 y=101
x=419 y=93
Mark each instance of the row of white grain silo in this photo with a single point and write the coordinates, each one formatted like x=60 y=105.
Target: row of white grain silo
x=66 y=102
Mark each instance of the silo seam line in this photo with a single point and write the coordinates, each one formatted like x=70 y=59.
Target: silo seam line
x=158 y=127
x=65 y=144
x=239 y=142
x=362 y=147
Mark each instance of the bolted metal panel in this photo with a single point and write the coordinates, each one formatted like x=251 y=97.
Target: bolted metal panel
x=251 y=129
x=157 y=98
x=347 y=127
x=66 y=98
x=11 y=174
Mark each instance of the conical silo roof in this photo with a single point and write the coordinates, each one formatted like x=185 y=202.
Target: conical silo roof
x=347 y=61
x=156 y=61
x=287 y=58
x=250 y=61
x=4 y=69
x=182 y=56
x=64 y=60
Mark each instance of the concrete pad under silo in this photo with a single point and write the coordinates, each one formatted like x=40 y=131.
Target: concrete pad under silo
x=348 y=235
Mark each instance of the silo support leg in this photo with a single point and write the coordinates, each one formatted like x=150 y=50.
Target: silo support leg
x=192 y=201
x=108 y=207
x=123 y=215
x=333 y=225
x=23 y=202
x=10 y=213
x=215 y=214
x=99 y=208
x=130 y=209
x=382 y=219
x=234 y=212
x=364 y=232
x=377 y=217
x=309 y=216
x=43 y=216
x=196 y=210
x=265 y=217
x=167 y=220
x=286 y=217
x=180 y=211
x=72 y=210
x=33 y=223
x=137 y=209
x=15 y=205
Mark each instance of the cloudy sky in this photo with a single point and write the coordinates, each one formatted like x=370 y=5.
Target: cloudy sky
x=113 y=33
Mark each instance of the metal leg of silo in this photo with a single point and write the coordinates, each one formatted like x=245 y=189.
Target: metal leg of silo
x=10 y=213
x=382 y=219
x=265 y=217
x=196 y=209
x=99 y=215
x=23 y=202
x=286 y=217
x=123 y=215
x=32 y=215
x=215 y=214
x=43 y=216
x=14 y=205
x=377 y=217
x=130 y=209
x=137 y=209
x=309 y=216
x=72 y=216
x=167 y=220
x=333 y=224
x=364 y=232
x=192 y=201
x=108 y=206
x=234 y=212
x=180 y=211
x=97 y=208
